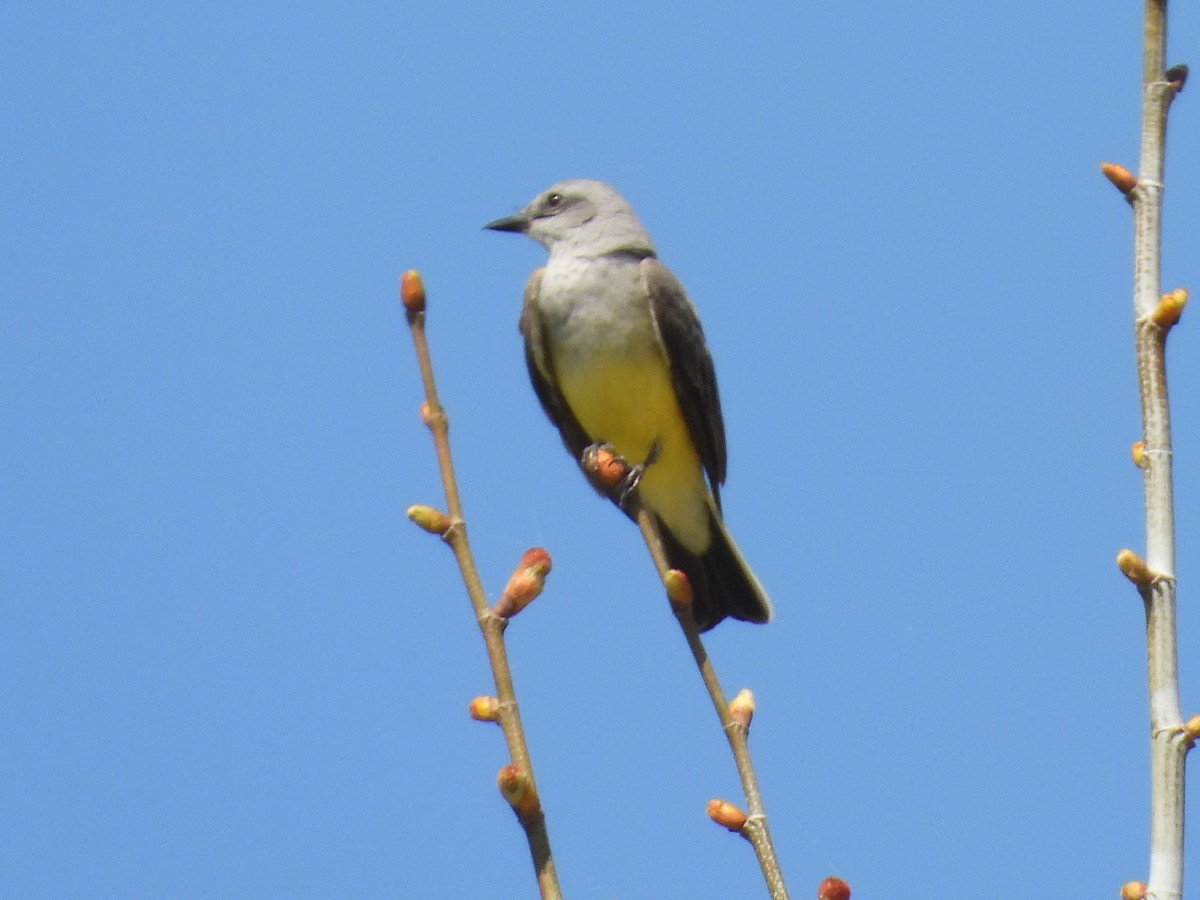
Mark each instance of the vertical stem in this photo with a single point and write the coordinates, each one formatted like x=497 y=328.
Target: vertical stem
x=1147 y=197
x=491 y=626
x=1168 y=744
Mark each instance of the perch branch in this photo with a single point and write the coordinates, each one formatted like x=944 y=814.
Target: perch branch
x=754 y=829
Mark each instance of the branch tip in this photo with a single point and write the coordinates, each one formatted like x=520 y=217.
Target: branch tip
x=833 y=889
x=727 y=815
x=741 y=708
x=1170 y=308
x=1124 y=180
x=1135 y=569
x=1133 y=890
x=412 y=292
x=526 y=582
x=484 y=709
x=429 y=519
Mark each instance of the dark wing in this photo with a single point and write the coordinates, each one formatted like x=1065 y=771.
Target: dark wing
x=692 y=373
x=541 y=371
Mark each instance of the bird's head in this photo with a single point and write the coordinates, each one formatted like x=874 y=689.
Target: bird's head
x=579 y=218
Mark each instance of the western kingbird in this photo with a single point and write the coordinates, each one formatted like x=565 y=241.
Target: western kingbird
x=617 y=356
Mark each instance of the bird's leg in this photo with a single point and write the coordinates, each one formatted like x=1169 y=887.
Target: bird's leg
x=629 y=485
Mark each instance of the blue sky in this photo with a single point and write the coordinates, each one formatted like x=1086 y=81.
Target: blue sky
x=232 y=668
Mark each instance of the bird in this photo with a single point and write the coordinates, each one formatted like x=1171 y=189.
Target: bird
x=617 y=357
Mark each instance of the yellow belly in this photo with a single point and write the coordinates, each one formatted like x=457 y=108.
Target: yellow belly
x=629 y=402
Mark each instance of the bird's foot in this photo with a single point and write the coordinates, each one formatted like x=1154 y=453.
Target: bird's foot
x=612 y=475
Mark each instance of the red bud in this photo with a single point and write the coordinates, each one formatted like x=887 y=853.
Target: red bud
x=833 y=889
x=525 y=583
x=518 y=790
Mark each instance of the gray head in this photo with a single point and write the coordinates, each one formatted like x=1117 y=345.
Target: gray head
x=579 y=218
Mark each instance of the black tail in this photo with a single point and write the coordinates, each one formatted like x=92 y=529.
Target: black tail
x=722 y=583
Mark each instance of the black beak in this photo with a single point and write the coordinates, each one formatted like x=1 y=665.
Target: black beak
x=516 y=224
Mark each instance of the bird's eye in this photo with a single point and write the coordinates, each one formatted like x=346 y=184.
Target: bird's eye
x=553 y=201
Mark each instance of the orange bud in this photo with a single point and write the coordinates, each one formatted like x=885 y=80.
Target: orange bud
x=1138 y=452
x=412 y=292
x=518 y=790
x=1133 y=890
x=432 y=416
x=833 y=889
x=1169 y=308
x=1134 y=568
x=1124 y=180
x=1192 y=727
x=726 y=814
x=679 y=589
x=525 y=583
x=741 y=708
x=432 y=520
x=484 y=709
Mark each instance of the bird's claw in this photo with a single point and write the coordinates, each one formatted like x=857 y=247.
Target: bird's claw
x=629 y=484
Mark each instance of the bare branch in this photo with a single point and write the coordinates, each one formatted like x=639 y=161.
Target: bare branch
x=1154 y=576
x=516 y=781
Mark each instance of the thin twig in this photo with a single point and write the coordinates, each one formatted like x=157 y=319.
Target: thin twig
x=755 y=830
x=492 y=627
x=1169 y=742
